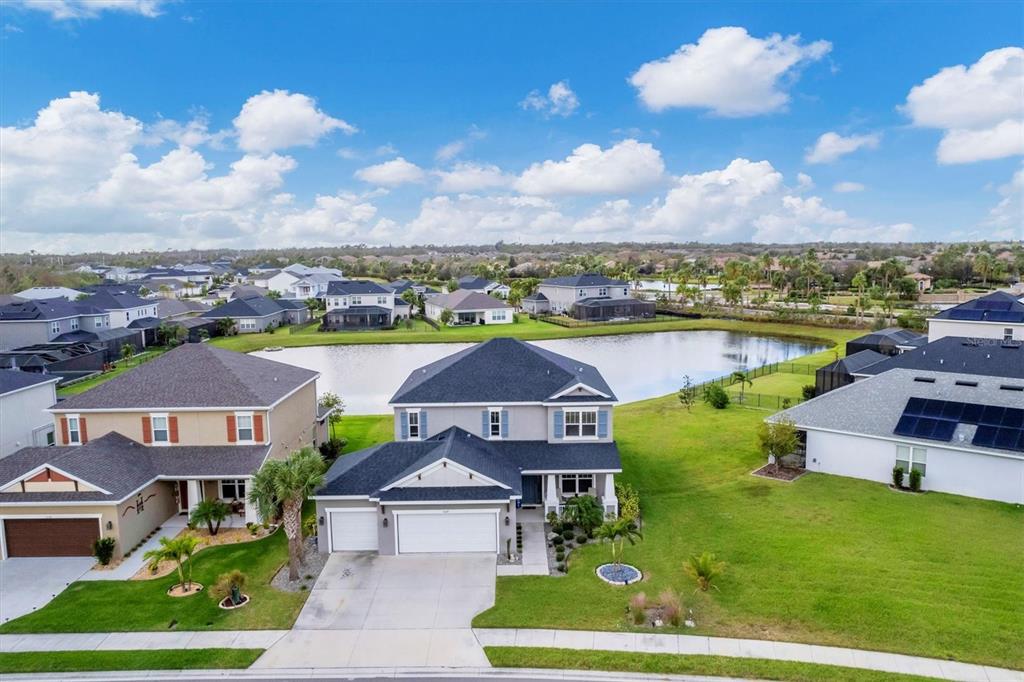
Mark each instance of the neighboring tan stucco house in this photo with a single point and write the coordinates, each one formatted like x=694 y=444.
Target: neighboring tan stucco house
x=478 y=435
x=195 y=423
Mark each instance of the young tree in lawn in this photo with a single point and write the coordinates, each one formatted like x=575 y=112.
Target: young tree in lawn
x=618 y=532
x=740 y=377
x=179 y=550
x=704 y=569
x=446 y=316
x=687 y=394
x=211 y=513
x=285 y=485
x=777 y=440
x=333 y=402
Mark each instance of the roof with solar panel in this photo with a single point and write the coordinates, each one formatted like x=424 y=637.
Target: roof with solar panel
x=963 y=411
x=998 y=306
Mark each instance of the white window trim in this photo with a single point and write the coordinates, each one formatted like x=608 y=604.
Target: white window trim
x=408 y=423
x=565 y=424
x=55 y=327
x=152 y=428
x=911 y=460
x=575 y=477
x=238 y=429
x=235 y=482
x=77 y=429
x=490 y=413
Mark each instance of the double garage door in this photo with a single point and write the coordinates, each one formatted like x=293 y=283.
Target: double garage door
x=417 y=532
x=50 y=537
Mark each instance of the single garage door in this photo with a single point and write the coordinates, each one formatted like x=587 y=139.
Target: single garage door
x=354 y=530
x=447 y=531
x=50 y=537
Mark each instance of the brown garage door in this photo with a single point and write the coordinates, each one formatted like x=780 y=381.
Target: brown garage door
x=50 y=537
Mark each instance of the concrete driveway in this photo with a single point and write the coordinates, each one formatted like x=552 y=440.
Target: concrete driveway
x=27 y=584
x=368 y=610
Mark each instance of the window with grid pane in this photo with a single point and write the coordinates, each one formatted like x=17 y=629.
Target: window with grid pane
x=911 y=458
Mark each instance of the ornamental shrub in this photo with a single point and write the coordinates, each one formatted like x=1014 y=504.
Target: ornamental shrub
x=897 y=476
x=629 y=501
x=716 y=397
x=103 y=550
x=558 y=540
x=915 y=480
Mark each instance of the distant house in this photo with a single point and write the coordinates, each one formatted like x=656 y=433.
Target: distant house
x=470 y=307
x=359 y=304
x=43 y=293
x=888 y=341
x=484 y=286
x=24 y=399
x=122 y=306
x=923 y=281
x=176 y=309
x=402 y=285
x=998 y=315
x=590 y=296
x=253 y=314
x=43 y=321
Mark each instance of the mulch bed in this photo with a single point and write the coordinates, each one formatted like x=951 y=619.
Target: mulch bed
x=780 y=473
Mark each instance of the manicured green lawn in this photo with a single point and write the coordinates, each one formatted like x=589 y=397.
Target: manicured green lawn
x=133 y=605
x=780 y=383
x=153 y=659
x=672 y=664
x=524 y=328
x=122 y=367
x=825 y=559
x=362 y=431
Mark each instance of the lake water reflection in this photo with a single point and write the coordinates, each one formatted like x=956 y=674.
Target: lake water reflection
x=636 y=366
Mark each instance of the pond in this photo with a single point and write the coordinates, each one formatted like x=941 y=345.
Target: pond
x=636 y=366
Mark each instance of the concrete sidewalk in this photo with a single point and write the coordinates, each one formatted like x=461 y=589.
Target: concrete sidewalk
x=746 y=648
x=133 y=564
x=117 y=641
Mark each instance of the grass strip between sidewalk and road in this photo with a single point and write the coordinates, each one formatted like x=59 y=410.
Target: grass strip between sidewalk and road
x=682 y=664
x=144 y=659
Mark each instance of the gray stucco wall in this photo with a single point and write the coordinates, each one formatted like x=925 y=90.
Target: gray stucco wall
x=18 y=334
x=386 y=536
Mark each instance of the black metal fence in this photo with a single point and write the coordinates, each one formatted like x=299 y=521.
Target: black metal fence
x=572 y=323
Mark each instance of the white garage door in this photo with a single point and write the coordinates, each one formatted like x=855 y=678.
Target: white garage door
x=449 y=531
x=354 y=530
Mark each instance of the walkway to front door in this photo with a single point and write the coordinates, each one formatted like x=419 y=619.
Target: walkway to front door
x=368 y=610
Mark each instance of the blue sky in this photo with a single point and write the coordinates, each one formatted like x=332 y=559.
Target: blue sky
x=571 y=120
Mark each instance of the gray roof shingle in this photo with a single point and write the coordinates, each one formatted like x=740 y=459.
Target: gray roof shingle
x=14 y=380
x=988 y=357
x=356 y=287
x=501 y=370
x=195 y=375
x=587 y=279
x=246 y=306
x=466 y=299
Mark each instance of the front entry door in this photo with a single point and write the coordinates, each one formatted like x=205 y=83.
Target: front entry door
x=532 y=490
x=182 y=496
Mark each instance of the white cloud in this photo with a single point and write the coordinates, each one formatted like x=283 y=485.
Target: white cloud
x=627 y=166
x=846 y=187
x=277 y=120
x=560 y=100
x=449 y=151
x=392 y=173
x=727 y=71
x=749 y=201
x=349 y=153
x=90 y=9
x=830 y=146
x=804 y=181
x=980 y=107
x=446 y=219
x=1007 y=217
x=471 y=177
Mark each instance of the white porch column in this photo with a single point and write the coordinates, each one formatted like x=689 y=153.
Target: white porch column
x=608 y=498
x=252 y=515
x=195 y=494
x=551 y=495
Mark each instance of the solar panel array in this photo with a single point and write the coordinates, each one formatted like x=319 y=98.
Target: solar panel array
x=998 y=427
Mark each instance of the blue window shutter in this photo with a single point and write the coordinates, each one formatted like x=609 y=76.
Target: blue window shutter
x=405 y=425
x=504 y=423
x=559 y=424
x=423 y=424
x=485 y=423
x=602 y=423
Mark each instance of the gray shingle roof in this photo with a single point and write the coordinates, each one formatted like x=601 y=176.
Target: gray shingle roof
x=474 y=283
x=39 y=309
x=14 y=380
x=587 y=279
x=108 y=299
x=246 y=306
x=356 y=287
x=121 y=466
x=195 y=375
x=988 y=357
x=466 y=300
x=169 y=307
x=859 y=361
x=499 y=371
x=368 y=471
x=872 y=407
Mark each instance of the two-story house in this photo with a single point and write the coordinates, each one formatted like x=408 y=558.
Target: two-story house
x=479 y=435
x=195 y=423
x=360 y=304
x=122 y=307
x=589 y=296
x=484 y=286
x=24 y=397
x=999 y=315
x=254 y=313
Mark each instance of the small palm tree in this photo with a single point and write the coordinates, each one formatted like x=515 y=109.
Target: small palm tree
x=210 y=512
x=740 y=377
x=704 y=569
x=618 y=532
x=285 y=484
x=127 y=351
x=179 y=550
x=584 y=511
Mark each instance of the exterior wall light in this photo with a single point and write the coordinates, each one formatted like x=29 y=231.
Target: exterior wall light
x=320 y=521
x=385 y=522
x=110 y=525
x=507 y=521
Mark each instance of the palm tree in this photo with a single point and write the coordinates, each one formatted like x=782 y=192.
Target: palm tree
x=618 y=532
x=210 y=512
x=583 y=511
x=285 y=485
x=740 y=377
x=127 y=351
x=179 y=550
x=704 y=569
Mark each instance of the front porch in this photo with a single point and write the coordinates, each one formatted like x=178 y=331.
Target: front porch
x=190 y=492
x=550 y=491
